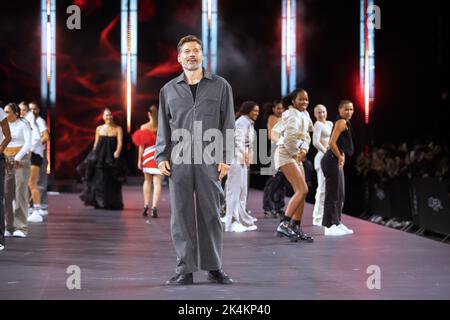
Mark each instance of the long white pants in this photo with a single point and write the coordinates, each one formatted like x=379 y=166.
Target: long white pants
x=236 y=198
x=320 y=191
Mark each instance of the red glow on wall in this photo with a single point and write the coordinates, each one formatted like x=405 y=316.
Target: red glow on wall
x=167 y=68
x=188 y=15
x=88 y=6
x=112 y=52
x=147 y=10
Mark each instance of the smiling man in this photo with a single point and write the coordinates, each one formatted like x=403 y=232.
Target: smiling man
x=196 y=95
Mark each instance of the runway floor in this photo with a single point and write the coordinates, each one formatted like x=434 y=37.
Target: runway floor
x=123 y=256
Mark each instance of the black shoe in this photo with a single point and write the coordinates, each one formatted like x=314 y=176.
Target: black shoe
x=284 y=230
x=145 y=213
x=154 y=212
x=301 y=235
x=218 y=276
x=280 y=214
x=180 y=279
x=268 y=213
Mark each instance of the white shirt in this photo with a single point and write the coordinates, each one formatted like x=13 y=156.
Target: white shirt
x=38 y=127
x=322 y=132
x=297 y=125
x=244 y=138
x=20 y=137
x=2 y=117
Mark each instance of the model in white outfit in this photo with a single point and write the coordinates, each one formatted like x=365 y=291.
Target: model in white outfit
x=321 y=137
x=292 y=148
x=17 y=173
x=237 y=219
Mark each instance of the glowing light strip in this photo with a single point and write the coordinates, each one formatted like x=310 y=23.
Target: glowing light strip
x=288 y=46
x=209 y=34
x=49 y=42
x=48 y=72
x=367 y=60
x=366 y=86
x=209 y=5
x=129 y=55
x=128 y=94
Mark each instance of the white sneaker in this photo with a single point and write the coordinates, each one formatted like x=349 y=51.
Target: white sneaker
x=19 y=234
x=35 y=217
x=43 y=212
x=252 y=228
x=8 y=234
x=334 y=230
x=317 y=223
x=223 y=219
x=344 y=227
x=237 y=227
x=2 y=247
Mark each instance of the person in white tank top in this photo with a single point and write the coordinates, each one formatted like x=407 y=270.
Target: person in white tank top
x=321 y=138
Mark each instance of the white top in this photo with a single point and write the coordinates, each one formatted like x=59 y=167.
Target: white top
x=2 y=116
x=38 y=127
x=322 y=133
x=321 y=138
x=297 y=125
x=244 y=138
x=20 y=137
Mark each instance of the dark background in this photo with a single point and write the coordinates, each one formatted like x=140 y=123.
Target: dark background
x=412 y=63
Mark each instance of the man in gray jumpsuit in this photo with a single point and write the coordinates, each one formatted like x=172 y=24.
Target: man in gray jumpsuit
x=196 y=97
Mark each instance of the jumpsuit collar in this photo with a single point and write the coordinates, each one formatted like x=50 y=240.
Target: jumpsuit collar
x=206 y=74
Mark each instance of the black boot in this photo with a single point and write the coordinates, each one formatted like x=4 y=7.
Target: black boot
x=145 y=212
x=284 y=230
x=301 y=236
x=154 y=212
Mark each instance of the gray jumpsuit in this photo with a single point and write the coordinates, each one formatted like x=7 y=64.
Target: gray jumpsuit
x=195 y=190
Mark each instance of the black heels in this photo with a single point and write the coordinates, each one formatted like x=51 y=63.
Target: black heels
x=154 y=212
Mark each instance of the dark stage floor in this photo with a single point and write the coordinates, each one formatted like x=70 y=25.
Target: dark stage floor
x=121 y=256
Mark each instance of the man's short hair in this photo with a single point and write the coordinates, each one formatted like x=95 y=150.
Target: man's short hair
x=189 y=38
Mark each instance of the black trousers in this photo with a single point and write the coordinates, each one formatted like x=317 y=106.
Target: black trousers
x=334 y=189
x=274 y=192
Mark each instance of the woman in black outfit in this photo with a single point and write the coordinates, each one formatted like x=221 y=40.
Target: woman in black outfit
x=104 y=170
x=340 y=145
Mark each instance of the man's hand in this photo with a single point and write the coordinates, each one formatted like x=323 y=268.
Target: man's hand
x=164 y=166
x=223 y=170
x=139 y=164
x=116 y=154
